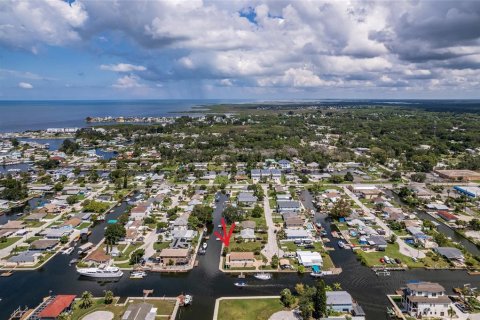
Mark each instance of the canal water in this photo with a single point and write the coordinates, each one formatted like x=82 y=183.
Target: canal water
x=206 y=282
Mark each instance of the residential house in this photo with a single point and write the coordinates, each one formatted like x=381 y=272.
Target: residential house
x=294 y=222
x=450 y=253
x=340 y=301
x=174 y=256
x=296 y=234
x=240 y=259
x=246 y=199
x=293 y=206
x=309 y=258
x=43 y=245
x=425 y=299
x=52 y=308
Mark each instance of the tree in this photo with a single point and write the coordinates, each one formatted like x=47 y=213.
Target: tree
x=337 y=286
x=136 y=256
x=257 y=212
x=64 y=239
x=113 y=233
x=58 y=186
x=335 y=179
x=320 y=299
x=418 y=177
x=203 y=213
x=340 y=209
x=396 y=176
x=232 y=214
x=287 y=298
x=86 y=300
x=274 y=262
x=69 y=146
x=348 y=176
x=64 y=316
x=306 y=307
x=108 y=297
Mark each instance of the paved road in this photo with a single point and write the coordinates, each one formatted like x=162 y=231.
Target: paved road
x=271 y=248
x=404 y=248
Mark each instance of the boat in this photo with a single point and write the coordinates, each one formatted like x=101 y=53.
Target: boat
x=73 y=261
x=341 y=244
x=138 y=275
x=316 y=271
x=68 y=250
x=106 y=272
x=240 y=284
x=187 y=300
x=382 y=273
x=316 y=274
x=204 y=246
x=263 y=276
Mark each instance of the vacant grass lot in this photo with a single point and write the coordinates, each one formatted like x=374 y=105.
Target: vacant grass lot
x=252 y=309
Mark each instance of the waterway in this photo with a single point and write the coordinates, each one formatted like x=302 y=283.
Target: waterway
x=206 y=282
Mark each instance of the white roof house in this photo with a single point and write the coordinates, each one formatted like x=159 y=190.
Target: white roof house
x=309 y=258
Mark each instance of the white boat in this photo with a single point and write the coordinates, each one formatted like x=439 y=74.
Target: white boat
x=188 y=300
x=263 y=276
x=240 y=284
x=316 y=274
x=106 y=272
x=204 y=246
x=341 y=244
x=138 y=275
x=68 y=250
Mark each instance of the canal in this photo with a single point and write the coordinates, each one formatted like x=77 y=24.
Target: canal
x=206 y=282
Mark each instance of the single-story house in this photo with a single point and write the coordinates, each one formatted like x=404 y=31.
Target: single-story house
x=240 y=259
x=450 y=253
x=309 y=258
x=25 y=257
x=378 y=242
x=247 y=199
x=294 y=222
x=247 y=234
x=55 y=307
x=296 y=234
x=293 y=206
x=43 y=244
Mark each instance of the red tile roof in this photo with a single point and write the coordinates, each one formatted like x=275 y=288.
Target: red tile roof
x=447 y=216
x=57 y=306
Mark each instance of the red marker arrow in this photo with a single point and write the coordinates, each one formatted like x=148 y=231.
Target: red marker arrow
x=226 y=236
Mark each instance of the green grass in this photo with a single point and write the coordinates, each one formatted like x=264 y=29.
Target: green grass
x=245 y=246
x=126 y=254
x=158 y=246
x=83 y=225
x=9 y=241
x=251 y=309
x=373 y=258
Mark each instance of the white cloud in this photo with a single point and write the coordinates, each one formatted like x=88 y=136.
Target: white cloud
x=122 y=67
x=128 y=81
x=25 y=85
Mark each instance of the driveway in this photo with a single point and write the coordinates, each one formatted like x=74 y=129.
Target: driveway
x=271 y=248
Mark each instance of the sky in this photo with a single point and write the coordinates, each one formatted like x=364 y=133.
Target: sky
x=239 y=49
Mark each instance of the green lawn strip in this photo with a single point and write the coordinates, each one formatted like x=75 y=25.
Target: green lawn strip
x=83 y=225
x=9 y=241
x=252 y=309
x=373 y=258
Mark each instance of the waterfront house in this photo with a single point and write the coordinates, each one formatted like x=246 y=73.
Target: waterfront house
x=182 y=238
x=98 y=256
x=377 y=242
x=425 y=299
x=30 y=257
x=447 y=216
x=140 y=212
x=450 y=253
x=174 y=256
x=309 y=258
x=240 y=259
x=339 y=301
x=54 y=306
x=13 y=225
x=43 y=245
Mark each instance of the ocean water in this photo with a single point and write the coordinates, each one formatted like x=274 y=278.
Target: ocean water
x=16 y=116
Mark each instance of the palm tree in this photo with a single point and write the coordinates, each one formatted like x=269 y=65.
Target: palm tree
x=337 y=286
x=108 y=297
x=451 y=312
x=64 y=316
x=86 y=300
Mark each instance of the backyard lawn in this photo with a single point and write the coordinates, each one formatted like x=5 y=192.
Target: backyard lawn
x=8 y=242
x=252 y=309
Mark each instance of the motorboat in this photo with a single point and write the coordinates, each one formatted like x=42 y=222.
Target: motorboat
x=187 y=300
x=263 y=276
x=138 y=275
x=341 y=244
x=105 y=272
x=240 y=284
x=68 y=250
x=316 y=274
x=204 y=246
